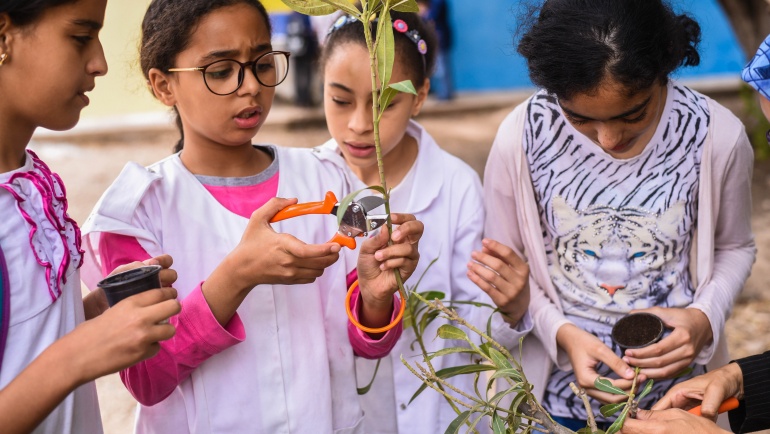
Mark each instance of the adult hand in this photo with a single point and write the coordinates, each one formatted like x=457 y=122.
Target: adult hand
x=673 y=421
x=707 y=390
x=95 y=303
x=376 y=262
x=667 y=358
x=585 y=352
x=122 y=336
x=502 y=274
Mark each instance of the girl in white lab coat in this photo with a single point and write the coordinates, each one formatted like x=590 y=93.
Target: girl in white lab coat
x=263 y=343
x=440 y=190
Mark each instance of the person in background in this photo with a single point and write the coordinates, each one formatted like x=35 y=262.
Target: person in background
x=747 y=378
x=303 y=45
x=436 y=13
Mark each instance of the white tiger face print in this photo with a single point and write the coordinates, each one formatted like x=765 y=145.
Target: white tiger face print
x=616 y=259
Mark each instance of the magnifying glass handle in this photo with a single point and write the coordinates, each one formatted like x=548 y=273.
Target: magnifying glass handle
x=727 y=405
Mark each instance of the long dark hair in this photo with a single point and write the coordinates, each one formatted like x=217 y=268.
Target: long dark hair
x=407 y=52
x=166 y=31
x=25 y=12
x=571 y=46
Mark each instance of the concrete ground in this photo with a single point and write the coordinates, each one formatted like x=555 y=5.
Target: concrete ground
x=88 y=163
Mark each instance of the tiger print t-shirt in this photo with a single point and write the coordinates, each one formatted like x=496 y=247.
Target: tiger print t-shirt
x=617 y=232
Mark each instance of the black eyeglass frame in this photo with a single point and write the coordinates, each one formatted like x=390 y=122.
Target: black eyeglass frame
x=241 y=74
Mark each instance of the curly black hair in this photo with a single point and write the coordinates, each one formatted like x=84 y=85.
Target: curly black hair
x=166 y=31
x=572 y=46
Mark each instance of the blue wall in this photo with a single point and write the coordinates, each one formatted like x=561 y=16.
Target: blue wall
x=484 y=58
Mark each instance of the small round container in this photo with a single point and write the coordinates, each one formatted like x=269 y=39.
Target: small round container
x=637 y=330
x=131 y=282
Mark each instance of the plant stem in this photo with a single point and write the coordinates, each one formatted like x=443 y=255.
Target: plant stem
x=581 y=393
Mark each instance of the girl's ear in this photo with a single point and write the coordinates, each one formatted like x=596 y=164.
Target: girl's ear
x=5 y=33
x=161 y=87
x=422 y=95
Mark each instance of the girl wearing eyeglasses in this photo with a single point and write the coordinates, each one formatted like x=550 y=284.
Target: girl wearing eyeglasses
x=263 y=343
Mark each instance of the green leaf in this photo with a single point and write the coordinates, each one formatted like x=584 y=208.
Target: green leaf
x=364 y=390
x=647 y=389
x=343 y=205
x=605 y=385
x=426 y=319
x=385 y=49
x=448 y=331
x=405 y=86
x=311 y=7
x=610 y=409
x=618 y=424
x=432 y=295
x=386 y=97
x=500 y=395
x=484 y=348
x=498 y=424
x=406 y=6
x=453 y=350
x=508 y=373
x=345 y=5
x=499 y=359
x=454 y=427
x=454 y=371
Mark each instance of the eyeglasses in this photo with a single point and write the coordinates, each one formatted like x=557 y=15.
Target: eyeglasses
x=224 y=77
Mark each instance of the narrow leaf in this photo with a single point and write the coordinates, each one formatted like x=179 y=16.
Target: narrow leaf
x=448 y=331
x=310 y=7
x=618 y=424
x=647 y=389
x=499 y=359
x=454 y=371
x=453 y=350
x=406 y=6
x=610 y=409
x=605 y=385
x=432 y=295
x=385 y=49
x=386 y=97
x=364 y=390
x=498 y=425
x=508 y=373
x=345 y=5
x=454 y=427
x=405 y=86
x=343 y=205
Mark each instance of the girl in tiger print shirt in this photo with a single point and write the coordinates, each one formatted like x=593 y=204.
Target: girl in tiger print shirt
x=605 y=179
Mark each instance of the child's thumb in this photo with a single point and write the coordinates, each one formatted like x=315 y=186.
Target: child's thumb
x=274 y=210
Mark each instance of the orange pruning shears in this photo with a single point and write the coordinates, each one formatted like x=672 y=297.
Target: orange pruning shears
x=357 y=221
x=727 y=405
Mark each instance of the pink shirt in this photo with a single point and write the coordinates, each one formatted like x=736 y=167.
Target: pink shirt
x=198 y=334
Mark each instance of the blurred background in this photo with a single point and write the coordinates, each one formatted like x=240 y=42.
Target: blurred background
x=481 y=80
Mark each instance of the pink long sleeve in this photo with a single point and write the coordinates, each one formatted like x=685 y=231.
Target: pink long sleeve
x=363 y=345
x=198 y=334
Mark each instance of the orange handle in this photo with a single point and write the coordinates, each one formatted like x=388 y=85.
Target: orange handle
x=343 y=241
x=364 y=328
x=727 y=405
x=299 y=209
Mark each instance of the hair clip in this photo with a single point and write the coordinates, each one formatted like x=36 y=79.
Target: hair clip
x=398 y=25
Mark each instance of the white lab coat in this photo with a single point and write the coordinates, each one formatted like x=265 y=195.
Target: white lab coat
x=294 y=371
x=446 y=196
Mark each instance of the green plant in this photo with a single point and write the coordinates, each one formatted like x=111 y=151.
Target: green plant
x=524 y=413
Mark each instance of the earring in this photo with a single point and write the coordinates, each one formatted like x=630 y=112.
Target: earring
x=2 y=58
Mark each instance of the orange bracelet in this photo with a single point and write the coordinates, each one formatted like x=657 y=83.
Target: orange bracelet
x=368 y=329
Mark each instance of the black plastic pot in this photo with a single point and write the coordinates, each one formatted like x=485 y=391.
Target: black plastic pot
x=131 y=282
x=637 y=330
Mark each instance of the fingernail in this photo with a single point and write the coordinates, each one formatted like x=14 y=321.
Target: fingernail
x=629 y=372
x=396 y=235
x=378 y=255
x=382 y=267
x=485 y=241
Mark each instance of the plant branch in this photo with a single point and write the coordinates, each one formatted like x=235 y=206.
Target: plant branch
x=581 y=393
